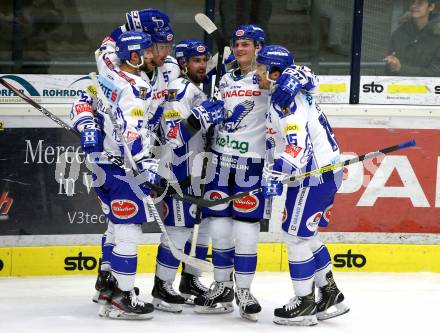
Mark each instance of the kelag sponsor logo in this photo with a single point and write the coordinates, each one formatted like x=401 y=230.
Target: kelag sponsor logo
x=241 y=146
x=81 y=263
x=349 y=260
x=5 y=205
x=372 y=88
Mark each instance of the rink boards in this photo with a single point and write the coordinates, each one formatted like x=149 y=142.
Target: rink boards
x=272 y=257
x=50 y=226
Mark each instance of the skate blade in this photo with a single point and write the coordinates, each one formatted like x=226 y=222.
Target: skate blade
x=298 y=321
x=249 y=316
x=95 y=298
x=335 y=310
x=104 y=310
x=118 y=314
x=189 y=299
x=166 y=307
x=218 y=308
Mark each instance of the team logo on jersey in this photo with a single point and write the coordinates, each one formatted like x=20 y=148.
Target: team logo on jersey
x=144 y=93
x=124 y=209
x=232 y=123
x=173 y=132
x=216 y=195
x=246 y=204
x=172 y=95
x=313 y=221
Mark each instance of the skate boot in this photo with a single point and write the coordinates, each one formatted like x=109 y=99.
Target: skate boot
x=103 y=293
x=329 y=304
x=190 y=287
x=218 y=299
x=127 y=305
x=247 y=303
x=301 y=311
x=165 y=298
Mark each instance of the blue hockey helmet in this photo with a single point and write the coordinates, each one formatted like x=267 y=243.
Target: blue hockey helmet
x=132 y=41
x=275 y=56
x=162 y=35
x=190 y=48
x=146 y=20
x=249 y=31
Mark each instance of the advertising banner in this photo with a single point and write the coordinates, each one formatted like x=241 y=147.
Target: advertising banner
x=399 y=90
x=399 y=192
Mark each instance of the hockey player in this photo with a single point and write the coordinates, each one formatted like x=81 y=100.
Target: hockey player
x=157 y=70
x=301 y=139
x=130 y=97
x=239 y=145
x=187 y=116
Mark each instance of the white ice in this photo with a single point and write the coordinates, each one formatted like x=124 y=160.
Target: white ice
x=379 y=302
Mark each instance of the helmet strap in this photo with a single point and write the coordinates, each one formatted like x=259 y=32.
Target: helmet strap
x=136 y=66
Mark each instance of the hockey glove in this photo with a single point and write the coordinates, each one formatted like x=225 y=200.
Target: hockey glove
x=148 y=168
x=287 y=86
x=209 y=113
x=271 y=184
x=91 y=138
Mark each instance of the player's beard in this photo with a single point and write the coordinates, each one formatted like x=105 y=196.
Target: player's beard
x=196 y=78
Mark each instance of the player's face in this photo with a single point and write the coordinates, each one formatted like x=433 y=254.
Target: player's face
x=263 y=82
x=160 y=52
x=244 y=51
x=197 y=68
x=148 y=60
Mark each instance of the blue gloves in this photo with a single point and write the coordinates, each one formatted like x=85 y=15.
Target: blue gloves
x=287 y=86
x=209 y=113
x=148 y=168
x=91 y=138
x=272 y=182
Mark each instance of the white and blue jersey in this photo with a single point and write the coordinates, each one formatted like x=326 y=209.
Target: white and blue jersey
x=183 y=96
x=302 y=140
x=239 y=147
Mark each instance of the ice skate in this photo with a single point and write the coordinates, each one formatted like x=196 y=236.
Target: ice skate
x=300 y=311
x=103 y=294
x=218 y=299
x=190 y=287
x=247 y=304
x=329 y=304
x=165 y=298
x=127 y=305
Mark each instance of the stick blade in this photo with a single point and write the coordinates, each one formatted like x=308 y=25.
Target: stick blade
x=205 y=22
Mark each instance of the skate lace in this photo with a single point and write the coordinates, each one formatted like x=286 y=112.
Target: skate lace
x=245 y=297
x=168 y=286
x=293 y=303
x=198 y=284
x=135 y=300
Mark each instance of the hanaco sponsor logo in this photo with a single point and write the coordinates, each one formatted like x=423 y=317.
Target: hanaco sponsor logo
x=124 y=209
x=5 y=205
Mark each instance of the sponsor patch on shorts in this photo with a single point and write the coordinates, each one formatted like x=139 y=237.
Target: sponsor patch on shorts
x=124 y=209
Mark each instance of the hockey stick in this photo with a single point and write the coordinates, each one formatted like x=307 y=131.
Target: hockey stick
x=211 y=29
x=206 y=24
x=116 y=160
x=148 y=201
x=317 y=172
